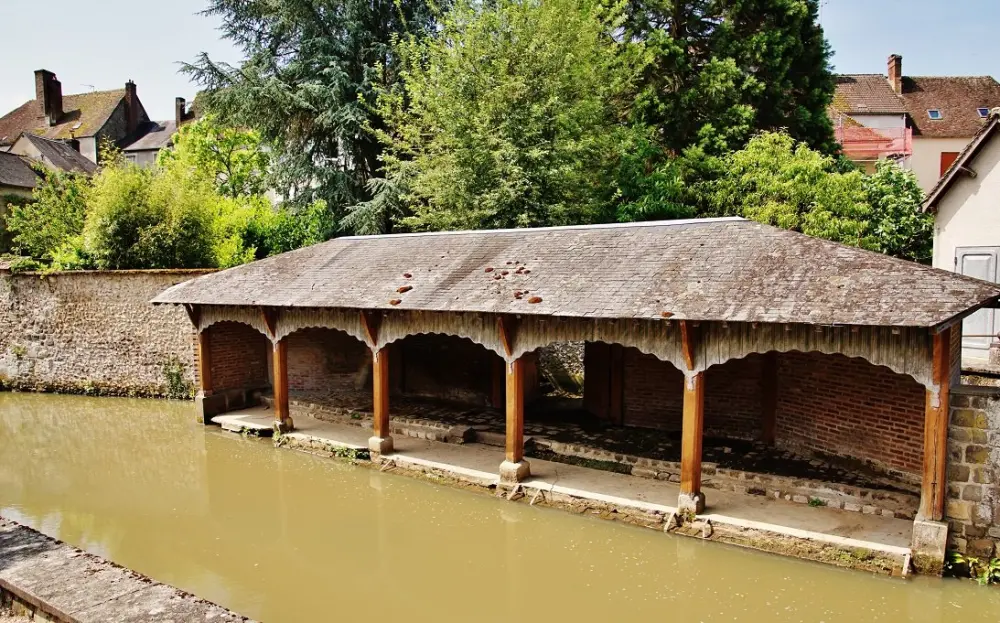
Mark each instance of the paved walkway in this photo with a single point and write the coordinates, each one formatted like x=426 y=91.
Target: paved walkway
x=479 y=461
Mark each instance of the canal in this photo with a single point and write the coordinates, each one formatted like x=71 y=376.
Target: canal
x=283 y=536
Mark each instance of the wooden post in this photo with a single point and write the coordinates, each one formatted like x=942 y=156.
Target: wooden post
x=204 y=364
x=934 y=482
x=380 y=387
x=282 y=419
x=769 y=398
x=691 y=500
x=515 y=468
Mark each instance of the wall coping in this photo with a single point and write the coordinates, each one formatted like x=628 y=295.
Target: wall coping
x=132 y=271
x=976 y=390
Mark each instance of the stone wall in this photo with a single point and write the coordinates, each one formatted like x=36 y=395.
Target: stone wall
x=973 y=506
x=92 y=332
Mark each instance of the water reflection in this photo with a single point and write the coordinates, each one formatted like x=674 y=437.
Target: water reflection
x=283 y=536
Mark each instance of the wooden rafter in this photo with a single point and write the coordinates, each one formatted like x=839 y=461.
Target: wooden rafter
x=506 y=330
x=270 y=316
x=194 y=314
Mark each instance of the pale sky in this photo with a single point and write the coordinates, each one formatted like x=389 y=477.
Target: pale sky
x=100 y=44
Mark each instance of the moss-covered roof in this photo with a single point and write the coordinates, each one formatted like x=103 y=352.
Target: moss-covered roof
x=84 y=114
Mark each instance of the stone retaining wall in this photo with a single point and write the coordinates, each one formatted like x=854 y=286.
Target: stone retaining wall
x=973 y=508
x=93 y=332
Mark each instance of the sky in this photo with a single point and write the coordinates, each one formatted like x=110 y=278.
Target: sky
x=101 y=44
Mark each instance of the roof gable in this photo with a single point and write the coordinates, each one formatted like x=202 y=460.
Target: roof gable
x=58 y=154
x=15 y=171
x=964 y=160
x=708 y=269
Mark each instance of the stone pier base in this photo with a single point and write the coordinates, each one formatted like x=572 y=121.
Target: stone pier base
x=379 y=446
x=930 y=540
x=514 y=472
x=688 y=503
x=284 y=426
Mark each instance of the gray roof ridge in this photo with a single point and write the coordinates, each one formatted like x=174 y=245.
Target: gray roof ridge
x=532 y=230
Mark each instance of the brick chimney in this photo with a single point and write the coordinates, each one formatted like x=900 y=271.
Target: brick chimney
x=131 y=108
x=896 y=72
x=180 y=111
x=48 y=94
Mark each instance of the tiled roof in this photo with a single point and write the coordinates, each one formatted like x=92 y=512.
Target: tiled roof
x=709 y=269
x=153 y=135
x=986 y=133
x=866 y=93
x=15 y=171
x=83 y=115
x=956 y=97
x=61 y=155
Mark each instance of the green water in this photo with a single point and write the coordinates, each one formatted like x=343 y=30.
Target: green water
x=283 y=536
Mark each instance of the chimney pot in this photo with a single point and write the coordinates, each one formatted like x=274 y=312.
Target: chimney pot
x=895 y=66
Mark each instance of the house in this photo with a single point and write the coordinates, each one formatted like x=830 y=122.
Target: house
x=967 y=231
x=153 y=136
x=17 y=177
x=922 y=122
x=52 y=154
x=83 y=119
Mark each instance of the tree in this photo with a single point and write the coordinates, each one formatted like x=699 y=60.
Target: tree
x=56 y=212
x=509 y=116
x=723 y=70
x=898 y=225
x=306 y=85
x=234 y=159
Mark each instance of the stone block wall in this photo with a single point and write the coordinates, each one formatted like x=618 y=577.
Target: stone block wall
x=92 y=331
x=973 y=503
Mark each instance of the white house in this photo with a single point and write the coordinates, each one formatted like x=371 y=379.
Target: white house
x=923 y=122
x=966 y=207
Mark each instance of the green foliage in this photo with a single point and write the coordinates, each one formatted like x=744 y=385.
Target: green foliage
x=509 y=116
x=723 y=70
x=175 y=377
x=55 y=213
x=898 y=226
x=778 y=182
x=983 y=572
x=306 y=84
x=234 y=159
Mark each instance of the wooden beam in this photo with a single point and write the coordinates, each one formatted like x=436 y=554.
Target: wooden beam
x=687 y=343
x=281 y=415
x=769 y=398
x=204 y=363
x=193 y=314
x=692 y=432
x=270 y=316
x=380 y=387
x=934 y=481
x=515 y=411
x=506 y=330
x=370 y=323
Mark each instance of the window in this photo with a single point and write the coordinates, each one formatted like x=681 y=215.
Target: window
x=130 y=158
x=934 y=114
x=983 y=112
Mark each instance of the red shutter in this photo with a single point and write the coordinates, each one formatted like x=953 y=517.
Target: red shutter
x=947 y=158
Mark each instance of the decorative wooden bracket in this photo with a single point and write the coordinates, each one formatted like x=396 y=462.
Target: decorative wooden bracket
x=270 y=316
x=370 y=322
x=505 y=327
x=688 y=339
x=194 y=314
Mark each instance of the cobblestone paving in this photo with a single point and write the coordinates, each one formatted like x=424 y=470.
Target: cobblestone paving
x=563 y=421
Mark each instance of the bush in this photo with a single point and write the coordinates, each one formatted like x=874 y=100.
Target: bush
x=56 y=213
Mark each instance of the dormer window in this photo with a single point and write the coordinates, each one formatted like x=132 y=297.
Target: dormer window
x=935 y=114
x=983 y=112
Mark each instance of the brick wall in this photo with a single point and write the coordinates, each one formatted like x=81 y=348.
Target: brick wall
x=92 y=331
x=238 y=356
x=654 y=395
x=973 y=503
x=850 y=408
x=326 y=359
x=446 y=367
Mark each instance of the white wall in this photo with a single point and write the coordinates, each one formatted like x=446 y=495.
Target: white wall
x=884 y=122
x=926 y=159
x=145 y=158
x=88 y=147
x=968 y=215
